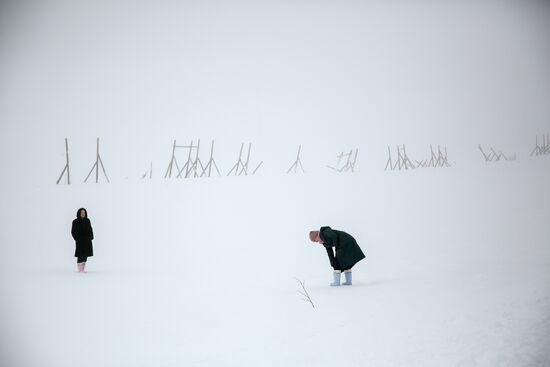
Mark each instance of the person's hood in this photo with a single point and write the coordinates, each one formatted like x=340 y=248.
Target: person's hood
x=321 y=230
x=78 y=213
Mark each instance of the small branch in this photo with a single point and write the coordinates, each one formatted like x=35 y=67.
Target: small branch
x=305 y=293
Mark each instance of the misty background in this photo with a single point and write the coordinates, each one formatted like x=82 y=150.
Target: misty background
x=463 y=250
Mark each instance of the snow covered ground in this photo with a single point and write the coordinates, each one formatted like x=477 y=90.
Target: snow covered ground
x=202 y=272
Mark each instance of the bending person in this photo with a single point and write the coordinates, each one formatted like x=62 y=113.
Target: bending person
x=348 y=253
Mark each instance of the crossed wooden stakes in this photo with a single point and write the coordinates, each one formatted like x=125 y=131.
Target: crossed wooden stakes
x=350 y=163
x=297 y=162
x=193 y=167
x=438 y=158
x=149 y=172
x=66 y=168
x=190 y=167
x=402 y=161
x=96 y=165
x=541 y=149
x=98 y=161
x=242 y=166
x=492 y=156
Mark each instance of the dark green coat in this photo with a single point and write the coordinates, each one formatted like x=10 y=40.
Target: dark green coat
x=348 y=252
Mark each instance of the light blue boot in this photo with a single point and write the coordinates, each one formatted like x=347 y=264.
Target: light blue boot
x=336 y=282
x=348 y=277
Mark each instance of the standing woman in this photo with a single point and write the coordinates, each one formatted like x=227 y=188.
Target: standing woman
x=83 y=235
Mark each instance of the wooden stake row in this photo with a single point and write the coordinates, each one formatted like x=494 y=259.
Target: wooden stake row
x=242 y=166
x=349 y=164
x=541 y=149
x=194 y=167
x=98 y=162
x=492 y=156
x=438 y=158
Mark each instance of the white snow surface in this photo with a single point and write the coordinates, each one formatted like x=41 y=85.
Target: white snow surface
x=203 y=272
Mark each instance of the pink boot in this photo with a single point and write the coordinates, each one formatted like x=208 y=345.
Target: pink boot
x=80 y=267
x=84 y=267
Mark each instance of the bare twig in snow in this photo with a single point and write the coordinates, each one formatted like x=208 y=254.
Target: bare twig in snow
x=304 y=292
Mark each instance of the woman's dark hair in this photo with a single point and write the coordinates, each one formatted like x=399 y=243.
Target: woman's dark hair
x=85 y=212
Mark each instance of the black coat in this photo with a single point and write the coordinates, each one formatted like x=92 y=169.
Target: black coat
x=348 y=252
x=83 y=235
